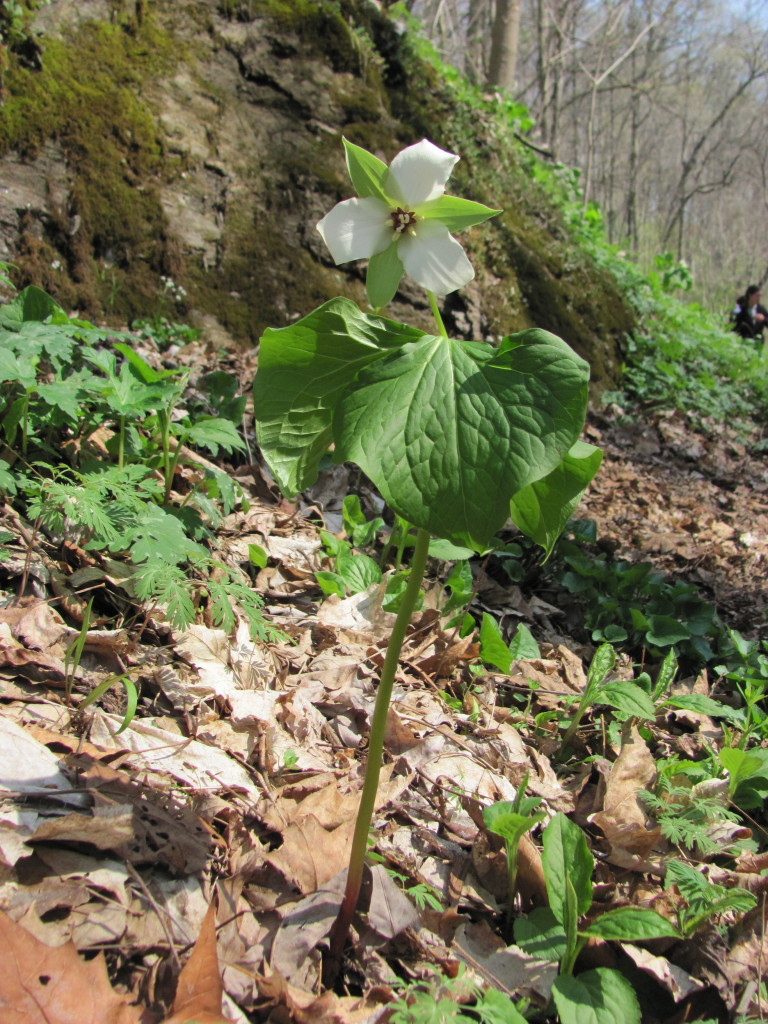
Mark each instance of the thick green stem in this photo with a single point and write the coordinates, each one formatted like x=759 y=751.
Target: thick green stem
x=570 y=732
x=375 y=750
x=436 y=314
x=512 y=855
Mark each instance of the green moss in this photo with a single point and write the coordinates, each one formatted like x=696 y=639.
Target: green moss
x=311 y=21
x=86 y=98
x=265 y=275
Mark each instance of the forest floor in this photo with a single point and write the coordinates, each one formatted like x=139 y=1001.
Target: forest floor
x=236 y=784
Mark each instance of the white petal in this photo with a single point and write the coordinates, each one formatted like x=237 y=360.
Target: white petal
x=357 y=229
x=419 y=173
x=434 y=258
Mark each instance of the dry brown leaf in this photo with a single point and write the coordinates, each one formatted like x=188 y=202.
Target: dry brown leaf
x=320 y=797
x=41 y=985
x=37 y=666
x=35 y=624
x=390 y=911
x=623 y=819
x=304 y=927
x=506 y=967
x=291 y=1003
x=674 y=979
x=310 y=855
x=199 y=990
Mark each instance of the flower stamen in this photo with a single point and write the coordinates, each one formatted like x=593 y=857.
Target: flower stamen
x=402 y=220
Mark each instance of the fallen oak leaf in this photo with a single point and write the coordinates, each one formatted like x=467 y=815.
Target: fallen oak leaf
x=623 y=818
x=41 y=984
x=199 y=989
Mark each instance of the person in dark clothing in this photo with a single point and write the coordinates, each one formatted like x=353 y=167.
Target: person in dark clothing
x=749 y=317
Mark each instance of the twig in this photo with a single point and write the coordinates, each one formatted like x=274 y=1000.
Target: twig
x=157 y=909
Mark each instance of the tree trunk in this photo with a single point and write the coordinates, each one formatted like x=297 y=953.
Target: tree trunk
x=505 y=38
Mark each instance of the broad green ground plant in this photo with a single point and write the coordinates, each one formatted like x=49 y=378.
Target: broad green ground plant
x=456 y=435
x=559 y=932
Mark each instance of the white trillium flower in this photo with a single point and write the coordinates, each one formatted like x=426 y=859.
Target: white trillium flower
x=402 y=221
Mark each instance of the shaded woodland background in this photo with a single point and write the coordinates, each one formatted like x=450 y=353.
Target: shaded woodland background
x=662 y=105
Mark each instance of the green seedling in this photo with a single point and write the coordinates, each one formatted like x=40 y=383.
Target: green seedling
x=511 y=819
x=131 y=695
x=747 y=776
x=624 y=695
x=559 y=932
x=352 y=573
x=210 y=432
x=74 y=652
x=494 y=651
x=448 y=431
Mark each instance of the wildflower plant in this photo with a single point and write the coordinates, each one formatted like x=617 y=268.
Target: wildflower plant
x=456 y=435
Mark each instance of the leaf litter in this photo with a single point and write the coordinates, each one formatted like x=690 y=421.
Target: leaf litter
x=190 y=867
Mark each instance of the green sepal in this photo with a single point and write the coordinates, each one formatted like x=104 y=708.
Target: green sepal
x=385 y=271
x=457 y=214
x=366 y=171
x=542 y=510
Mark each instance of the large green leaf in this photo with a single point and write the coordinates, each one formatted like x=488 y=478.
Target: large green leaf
x=602 y=996
x=303 y=371
x=628 y=697
x=31 y=304
x=542 y=509
x=541 y=934
x=448 y=437
x=448 y=431
x=566 y=857
x=630 y=924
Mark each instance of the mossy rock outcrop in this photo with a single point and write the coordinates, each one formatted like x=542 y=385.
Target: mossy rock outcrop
x=147 y=140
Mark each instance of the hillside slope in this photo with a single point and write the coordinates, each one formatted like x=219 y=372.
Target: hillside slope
x=202 y=142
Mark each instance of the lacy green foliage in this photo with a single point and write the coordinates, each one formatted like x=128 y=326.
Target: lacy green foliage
x=60 y=383
x=690 y=806
x=702 y=900
x=442 y=1000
